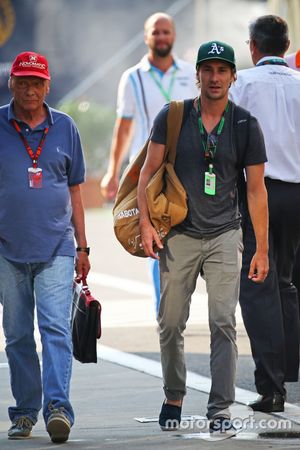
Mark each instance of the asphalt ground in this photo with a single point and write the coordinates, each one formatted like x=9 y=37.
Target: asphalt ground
x=108 y=396
x=141 y=338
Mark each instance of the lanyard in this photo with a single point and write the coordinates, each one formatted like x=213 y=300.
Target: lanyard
x=273 y=61
x=166 y=94
x=210 y=147
x=30 y=152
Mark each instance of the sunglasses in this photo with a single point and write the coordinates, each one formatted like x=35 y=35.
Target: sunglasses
x=211 y=146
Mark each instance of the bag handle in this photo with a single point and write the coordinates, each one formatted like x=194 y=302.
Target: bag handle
x=174 y=122
x=83 y=280
x=84 y=284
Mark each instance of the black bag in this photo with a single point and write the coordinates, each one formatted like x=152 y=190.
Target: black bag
x=86 y=323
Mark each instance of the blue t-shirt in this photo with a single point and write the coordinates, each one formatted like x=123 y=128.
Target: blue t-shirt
x=35 y=224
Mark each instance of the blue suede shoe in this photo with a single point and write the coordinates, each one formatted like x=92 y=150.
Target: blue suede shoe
x=170 y=417
x=222 y=426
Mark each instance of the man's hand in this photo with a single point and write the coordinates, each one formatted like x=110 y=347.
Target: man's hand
x=149 y=239
x=120 y=142
x=109 y=186
x=259 y=267
x=82 y=265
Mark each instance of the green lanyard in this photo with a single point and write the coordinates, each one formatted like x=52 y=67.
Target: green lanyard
x=273 y=61
x=166 y=94
x=210 y=147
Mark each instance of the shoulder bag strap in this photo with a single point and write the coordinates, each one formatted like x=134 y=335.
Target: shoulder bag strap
x=174 y=122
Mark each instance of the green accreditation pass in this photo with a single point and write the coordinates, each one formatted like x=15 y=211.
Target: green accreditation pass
x=210 y=149
x=210 y=182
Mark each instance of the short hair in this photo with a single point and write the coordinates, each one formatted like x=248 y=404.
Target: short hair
x=270 y=34
x=156 y=16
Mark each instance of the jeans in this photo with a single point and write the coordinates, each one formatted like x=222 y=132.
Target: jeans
x=154 y=269
x=49 y=287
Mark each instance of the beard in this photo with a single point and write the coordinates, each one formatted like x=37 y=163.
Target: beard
x=162 y=52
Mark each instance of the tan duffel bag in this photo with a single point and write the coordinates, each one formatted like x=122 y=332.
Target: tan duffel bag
x=166 y=197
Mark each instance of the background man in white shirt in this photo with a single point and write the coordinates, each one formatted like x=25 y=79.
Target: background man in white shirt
x=293 y=60
x=143 y=90
x=271 y=92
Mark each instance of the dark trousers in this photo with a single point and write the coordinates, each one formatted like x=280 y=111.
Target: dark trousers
x=270 y=310
x=296 y=274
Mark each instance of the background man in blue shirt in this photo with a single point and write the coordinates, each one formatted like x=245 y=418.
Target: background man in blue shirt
x=41 y=167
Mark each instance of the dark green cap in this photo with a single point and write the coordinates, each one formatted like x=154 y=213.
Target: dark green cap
x=216 y=50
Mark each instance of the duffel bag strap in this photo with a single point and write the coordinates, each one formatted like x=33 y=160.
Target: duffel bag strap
x=174 y=122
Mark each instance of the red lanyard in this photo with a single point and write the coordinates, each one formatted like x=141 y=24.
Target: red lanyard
x=33 y=156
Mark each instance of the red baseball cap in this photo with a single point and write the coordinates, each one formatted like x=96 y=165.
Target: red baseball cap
x=30 y=64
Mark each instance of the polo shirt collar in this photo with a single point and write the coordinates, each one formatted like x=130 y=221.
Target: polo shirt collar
x=11 y=115
x=267 y=58
x=146 y=66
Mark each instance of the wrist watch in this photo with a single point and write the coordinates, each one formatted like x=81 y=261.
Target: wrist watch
x=83 y=249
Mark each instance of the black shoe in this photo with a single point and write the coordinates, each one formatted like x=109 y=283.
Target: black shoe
x=21 y=428
x=222 y=426
x=170 y=417
x=269 y=403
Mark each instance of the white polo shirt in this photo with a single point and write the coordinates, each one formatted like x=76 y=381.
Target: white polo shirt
x=272 y=94
x=179 y=82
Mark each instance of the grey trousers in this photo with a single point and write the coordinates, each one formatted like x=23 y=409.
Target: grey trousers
x=218 y=260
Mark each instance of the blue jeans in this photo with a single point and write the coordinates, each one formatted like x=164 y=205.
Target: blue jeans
x=154 y=271
x=49 y=287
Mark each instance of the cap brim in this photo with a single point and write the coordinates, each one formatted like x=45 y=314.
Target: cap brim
x=217 y=59
x=30 y=73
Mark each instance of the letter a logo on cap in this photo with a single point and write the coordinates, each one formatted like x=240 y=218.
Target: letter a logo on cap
x=216 y=49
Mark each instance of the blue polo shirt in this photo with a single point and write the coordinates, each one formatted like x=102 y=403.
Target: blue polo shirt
x=35 y=224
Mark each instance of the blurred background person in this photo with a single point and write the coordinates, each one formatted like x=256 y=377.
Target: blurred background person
x=143 y=90
x=271 y=92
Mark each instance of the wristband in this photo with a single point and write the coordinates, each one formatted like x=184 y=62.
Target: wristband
x=83 y=249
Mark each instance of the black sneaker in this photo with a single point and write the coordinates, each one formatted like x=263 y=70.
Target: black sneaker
x=222 y=426
x=21 y=428
x=58 y=426
x=169 y=417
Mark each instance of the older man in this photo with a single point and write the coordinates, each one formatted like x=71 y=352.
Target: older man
x=41 y=169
